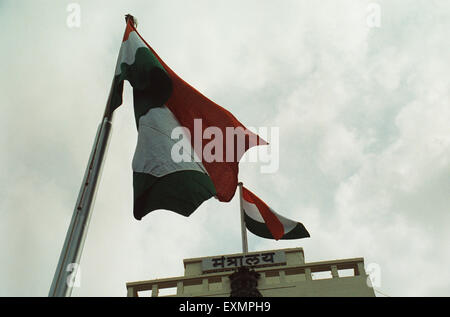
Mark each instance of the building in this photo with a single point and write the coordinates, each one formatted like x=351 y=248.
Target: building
x=279 y=273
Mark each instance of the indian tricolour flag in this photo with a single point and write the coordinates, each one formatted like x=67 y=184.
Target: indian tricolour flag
x=163 y=102
x=264 y=222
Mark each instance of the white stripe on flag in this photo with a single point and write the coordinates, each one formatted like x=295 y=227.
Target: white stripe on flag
x=252 y=211
x=288 y=224
x=127 y=53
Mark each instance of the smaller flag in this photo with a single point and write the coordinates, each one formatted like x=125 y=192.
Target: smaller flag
x=262 y=221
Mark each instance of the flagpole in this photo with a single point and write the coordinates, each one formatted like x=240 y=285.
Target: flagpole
x=243 y=227
x=69 y=261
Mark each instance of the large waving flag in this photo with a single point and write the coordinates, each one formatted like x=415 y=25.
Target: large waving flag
x=163 y=102
x=262 y=221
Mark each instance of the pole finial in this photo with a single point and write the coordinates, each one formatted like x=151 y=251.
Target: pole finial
x=132 y=18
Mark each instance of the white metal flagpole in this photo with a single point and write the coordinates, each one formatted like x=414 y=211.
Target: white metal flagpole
x=69 y=260
x=243 y=227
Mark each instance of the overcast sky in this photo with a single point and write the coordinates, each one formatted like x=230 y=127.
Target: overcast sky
x=364 y=123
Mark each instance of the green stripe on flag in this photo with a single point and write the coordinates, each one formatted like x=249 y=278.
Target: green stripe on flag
x=182 y=192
